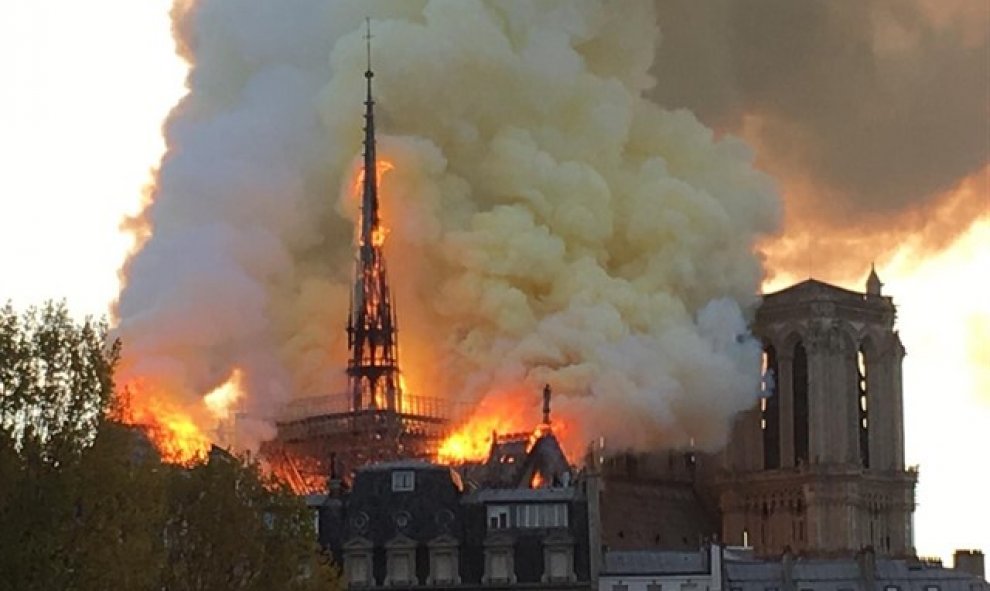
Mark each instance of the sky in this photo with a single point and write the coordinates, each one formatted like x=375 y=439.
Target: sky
x=89 y=84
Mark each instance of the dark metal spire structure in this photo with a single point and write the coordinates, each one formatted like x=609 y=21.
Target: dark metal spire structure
x=373 y=368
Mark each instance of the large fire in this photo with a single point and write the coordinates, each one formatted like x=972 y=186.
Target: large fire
x=175 y=430
x=501 y=413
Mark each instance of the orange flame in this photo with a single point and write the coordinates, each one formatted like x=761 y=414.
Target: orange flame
x=173 y=428
x=501 y=413
x=381 y=231
x=223 y=397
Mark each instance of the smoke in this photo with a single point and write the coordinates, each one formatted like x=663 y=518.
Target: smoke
x=871 y=114
x=547 y=222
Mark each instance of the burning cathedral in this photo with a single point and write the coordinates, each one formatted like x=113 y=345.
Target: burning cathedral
x=816 y=467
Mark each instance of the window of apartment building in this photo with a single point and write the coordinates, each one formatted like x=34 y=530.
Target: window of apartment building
x=499 y=566
x=443 y=561
x=541 y=515
x=558 y=558
x=399 y=568
x=443 y=567
x=498 y=516
x=357 y=563
x=560 y=564
x=620 y=587
x=403 y=480
x=689 y=586
x=654 y=587
x=891 y=588
x=357 y=570
x=932 y=588
x=400 y=557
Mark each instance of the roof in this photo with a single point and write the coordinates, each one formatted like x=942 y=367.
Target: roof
x=403 y=465
x=521 y=495
x=888 y=570
x=653 y=562
x=810 y=286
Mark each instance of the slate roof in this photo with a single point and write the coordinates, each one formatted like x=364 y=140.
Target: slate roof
x=653 y=562
x=759 y=574
x=521 y=495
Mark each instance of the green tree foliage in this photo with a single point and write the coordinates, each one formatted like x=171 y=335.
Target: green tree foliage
x=56 y=379
x=87 y=504
x=229 y=527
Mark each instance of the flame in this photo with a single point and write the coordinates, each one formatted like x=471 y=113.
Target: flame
x=383 y=167
x=504 y=413
x=174 y=429
x=221 y=399
x=378 y=235
x=536 y=481
x=380 y=232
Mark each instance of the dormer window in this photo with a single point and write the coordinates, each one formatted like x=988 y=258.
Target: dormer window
x=498 y=517
x=403 y=480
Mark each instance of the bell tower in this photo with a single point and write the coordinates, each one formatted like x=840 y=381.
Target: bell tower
x=818 y=465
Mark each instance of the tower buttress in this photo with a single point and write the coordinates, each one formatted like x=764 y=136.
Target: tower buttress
x=373 y=367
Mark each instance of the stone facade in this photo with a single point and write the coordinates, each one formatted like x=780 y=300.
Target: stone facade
x=818 y=465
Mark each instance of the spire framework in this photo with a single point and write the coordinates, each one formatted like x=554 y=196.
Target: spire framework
x=373 y=367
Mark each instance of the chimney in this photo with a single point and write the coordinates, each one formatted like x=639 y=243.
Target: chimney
x=334 y=484
x=970 y=562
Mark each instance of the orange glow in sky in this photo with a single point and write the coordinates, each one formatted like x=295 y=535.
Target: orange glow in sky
x=88 y=84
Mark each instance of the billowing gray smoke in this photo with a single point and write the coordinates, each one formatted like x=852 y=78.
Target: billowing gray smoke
x=871 y=113
x=547 y=223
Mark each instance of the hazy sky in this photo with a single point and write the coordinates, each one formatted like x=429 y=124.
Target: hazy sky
x=88 y=85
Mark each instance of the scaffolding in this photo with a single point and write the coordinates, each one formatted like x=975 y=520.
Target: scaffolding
x=320 y=437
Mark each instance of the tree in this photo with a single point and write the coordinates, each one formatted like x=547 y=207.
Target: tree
x=56 y=379
x=230 y=527
x=87 y=504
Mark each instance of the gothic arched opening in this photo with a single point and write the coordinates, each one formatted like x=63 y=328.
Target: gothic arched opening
x=770 y=410
x=863 y=391
x=799 y=383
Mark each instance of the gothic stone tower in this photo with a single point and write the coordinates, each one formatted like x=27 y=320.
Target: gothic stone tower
x=818 y=465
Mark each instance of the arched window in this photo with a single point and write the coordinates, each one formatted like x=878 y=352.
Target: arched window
x=799 y=384
x=770 y=410
x=863 y=406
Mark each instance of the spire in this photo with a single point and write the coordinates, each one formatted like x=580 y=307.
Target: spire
x=873 y=284
x=369 y=197
x=373 y=368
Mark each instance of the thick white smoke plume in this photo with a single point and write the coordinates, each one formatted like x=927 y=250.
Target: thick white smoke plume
x=547 y=223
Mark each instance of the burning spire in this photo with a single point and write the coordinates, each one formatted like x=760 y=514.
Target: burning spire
x=373 y=368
